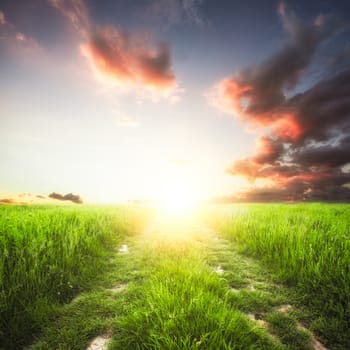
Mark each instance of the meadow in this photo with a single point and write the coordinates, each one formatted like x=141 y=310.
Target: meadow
x=307 y=247
x=48 y=255
x=267 y=276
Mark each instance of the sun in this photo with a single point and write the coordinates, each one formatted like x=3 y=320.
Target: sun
x=179 y=199
x=177 y=192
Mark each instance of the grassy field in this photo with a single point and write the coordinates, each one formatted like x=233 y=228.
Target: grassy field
x=230 y=277
x=49 y=255
x=307 y=246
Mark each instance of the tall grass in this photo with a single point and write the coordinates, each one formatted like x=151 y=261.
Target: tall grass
x=183 y=306
x=47 y=256
x=307 y=246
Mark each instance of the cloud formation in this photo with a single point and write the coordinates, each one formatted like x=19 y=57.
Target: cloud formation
x=76 y=12
x=16 y=42
x=2 y=18
x=129 y=59
x=191 y=8
x=7 y=201
x=22 y=199
x=173 y=12
x=306 y=137
x=126 y=59
x=68 y=197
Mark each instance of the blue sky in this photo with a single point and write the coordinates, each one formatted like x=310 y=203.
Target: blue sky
x=117 y=100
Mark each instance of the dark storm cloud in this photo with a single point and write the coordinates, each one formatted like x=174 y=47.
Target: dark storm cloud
x=324 y=185
x=341 y=60
x=329 y=156
x=268 y=150
x=323 y=111
x=128 y=58
x=254 y=195
x=68 y=197
x=294 y=185
x=306 y=139
x=265 y=195
x=256 y=92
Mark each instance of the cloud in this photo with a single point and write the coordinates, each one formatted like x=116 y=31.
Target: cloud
x=24 y=195
x=128 y=59
x=7 y=201
x=327 y=156
x=40 y=196
x=23 y=199
x=268 y=150
x=68 y=197
x=304 y=139
x=76 y=12
x=173 y=12
x=191 y=8
x=341 y=60
x=2 y=18
x=254 y=93
x=15 y=42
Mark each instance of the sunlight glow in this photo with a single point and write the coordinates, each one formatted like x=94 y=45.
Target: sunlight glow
x=178 y=200
x=177 y=192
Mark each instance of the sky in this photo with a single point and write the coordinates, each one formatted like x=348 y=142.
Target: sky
x=117 y=100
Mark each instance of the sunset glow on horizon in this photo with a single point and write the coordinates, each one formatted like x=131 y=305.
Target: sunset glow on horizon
x=176 y=101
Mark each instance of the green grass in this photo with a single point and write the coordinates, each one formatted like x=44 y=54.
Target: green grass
x=286 y=328
x=174 y=301
x=183 y=305
x=49 y=255
x=307 y=246
x=93 y=313
x=176 y=296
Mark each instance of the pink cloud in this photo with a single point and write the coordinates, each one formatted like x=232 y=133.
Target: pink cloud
x=122 y=57
x=131 y=59
x=281 y=9
x=2 y=18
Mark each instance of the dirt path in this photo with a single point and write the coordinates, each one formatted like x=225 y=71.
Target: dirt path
x=246 y=277
x=179 y=283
